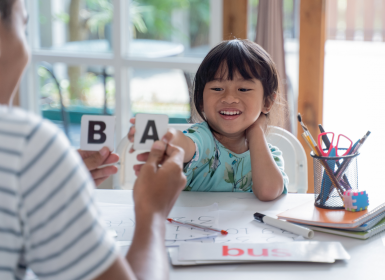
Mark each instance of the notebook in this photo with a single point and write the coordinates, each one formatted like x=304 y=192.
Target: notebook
x=354 y=234
x=310 y=215
x=370 y=224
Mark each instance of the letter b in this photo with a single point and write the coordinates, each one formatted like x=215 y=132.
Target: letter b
x=226 y=251
x=92 y=131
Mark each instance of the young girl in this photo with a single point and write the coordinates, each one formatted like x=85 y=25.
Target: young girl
x=235 y=89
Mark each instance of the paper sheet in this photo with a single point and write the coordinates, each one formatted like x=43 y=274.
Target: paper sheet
x=241 y=225
x=121 y=219
x=207 y=216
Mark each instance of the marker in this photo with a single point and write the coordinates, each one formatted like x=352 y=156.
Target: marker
x=223 y=232
x=305 y=232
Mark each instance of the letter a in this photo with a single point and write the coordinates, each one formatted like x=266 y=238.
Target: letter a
x=225 y=251
x=92 y=131
x=146 y=136
x=265 y=253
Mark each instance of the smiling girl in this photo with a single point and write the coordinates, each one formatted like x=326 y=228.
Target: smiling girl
x=235 y=89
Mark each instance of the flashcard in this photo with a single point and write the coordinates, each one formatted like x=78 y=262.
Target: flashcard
x=149 y=128
x=97 y=132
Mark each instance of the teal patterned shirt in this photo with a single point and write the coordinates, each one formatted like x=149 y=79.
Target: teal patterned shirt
x=217 y=169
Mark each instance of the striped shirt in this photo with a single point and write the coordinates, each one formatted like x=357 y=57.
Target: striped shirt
x=48 y=218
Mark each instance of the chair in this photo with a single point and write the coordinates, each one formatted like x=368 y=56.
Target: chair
x=293 y=154
x=294 y=157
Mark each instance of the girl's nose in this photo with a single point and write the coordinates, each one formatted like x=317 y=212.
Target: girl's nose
x=229 y=97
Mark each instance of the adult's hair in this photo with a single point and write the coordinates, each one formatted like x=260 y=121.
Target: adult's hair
x=251 y=61
x=6 y=9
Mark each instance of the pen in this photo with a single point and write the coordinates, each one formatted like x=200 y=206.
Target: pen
x=346 y=162
x=197 y=226
x=303 y=231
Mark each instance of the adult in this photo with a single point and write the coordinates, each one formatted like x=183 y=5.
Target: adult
x=48 y=219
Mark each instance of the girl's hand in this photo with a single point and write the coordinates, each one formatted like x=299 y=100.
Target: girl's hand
x=131 y=134
x=175 y=137
x=259 y=125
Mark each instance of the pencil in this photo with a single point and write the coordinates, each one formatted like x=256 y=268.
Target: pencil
x=328 y=171
x=223 y=232
x=345 y=164
x=313 y=146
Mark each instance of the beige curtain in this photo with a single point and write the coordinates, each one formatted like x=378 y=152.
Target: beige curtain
x=270 y=37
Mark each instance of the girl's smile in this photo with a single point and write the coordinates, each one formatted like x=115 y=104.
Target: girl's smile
x=230 y=113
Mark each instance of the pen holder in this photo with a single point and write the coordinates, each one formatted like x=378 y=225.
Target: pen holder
x=326 y=195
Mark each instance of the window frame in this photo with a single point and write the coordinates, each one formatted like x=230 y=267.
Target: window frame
x=29 y=88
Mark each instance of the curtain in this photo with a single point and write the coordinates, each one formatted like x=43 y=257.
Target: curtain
x=269 y=35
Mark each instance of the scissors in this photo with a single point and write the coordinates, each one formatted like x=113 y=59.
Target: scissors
x=331 y=147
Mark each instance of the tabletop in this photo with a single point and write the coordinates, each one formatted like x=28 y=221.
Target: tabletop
x=367 y=256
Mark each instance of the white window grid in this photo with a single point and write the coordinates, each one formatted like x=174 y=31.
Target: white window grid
x=118 y=59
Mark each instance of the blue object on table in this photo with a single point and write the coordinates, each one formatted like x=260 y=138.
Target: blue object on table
x=326 y=182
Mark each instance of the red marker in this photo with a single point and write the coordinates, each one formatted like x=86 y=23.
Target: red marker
x=197 y=226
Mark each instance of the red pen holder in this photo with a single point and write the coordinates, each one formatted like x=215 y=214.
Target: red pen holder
x=325 y=194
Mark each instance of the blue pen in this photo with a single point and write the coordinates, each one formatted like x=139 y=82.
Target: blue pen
x=326 y=182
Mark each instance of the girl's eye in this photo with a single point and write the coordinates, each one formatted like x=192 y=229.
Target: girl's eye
x=243 y=89
x=216 y=89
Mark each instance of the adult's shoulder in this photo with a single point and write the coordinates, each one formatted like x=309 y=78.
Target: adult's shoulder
x=18 y=120
x=21 y=130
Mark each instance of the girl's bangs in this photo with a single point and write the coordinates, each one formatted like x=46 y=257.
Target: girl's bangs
x=235 y=57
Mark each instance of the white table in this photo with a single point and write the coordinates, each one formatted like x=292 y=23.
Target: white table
x=367 y=257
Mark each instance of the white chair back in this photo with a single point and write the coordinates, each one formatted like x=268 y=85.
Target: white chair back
x=293 y=155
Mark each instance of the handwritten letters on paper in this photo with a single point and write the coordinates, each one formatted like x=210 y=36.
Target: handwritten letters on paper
x=242 y=228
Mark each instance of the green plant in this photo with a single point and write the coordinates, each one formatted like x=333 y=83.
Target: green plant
x=159 y=24
x=100 y=14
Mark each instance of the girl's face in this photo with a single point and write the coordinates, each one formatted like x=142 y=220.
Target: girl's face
x=231 y=106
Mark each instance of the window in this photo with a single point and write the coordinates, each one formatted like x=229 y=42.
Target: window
x=116 y=57
x=354 y=97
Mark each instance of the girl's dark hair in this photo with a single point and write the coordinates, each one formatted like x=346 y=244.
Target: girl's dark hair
x=251 y=61
x=6 y=9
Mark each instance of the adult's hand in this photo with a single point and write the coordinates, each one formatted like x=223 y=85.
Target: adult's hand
x=155 y=192
x=143 y=157
x=158 y=186
x=94 y=159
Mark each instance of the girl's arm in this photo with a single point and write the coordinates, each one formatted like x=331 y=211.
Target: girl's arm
x=185 y=143
x=178 y=139
x=267 y=178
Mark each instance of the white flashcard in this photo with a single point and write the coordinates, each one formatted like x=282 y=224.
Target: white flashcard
x=301 y=251
x=149 y=128
x=97 y=132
